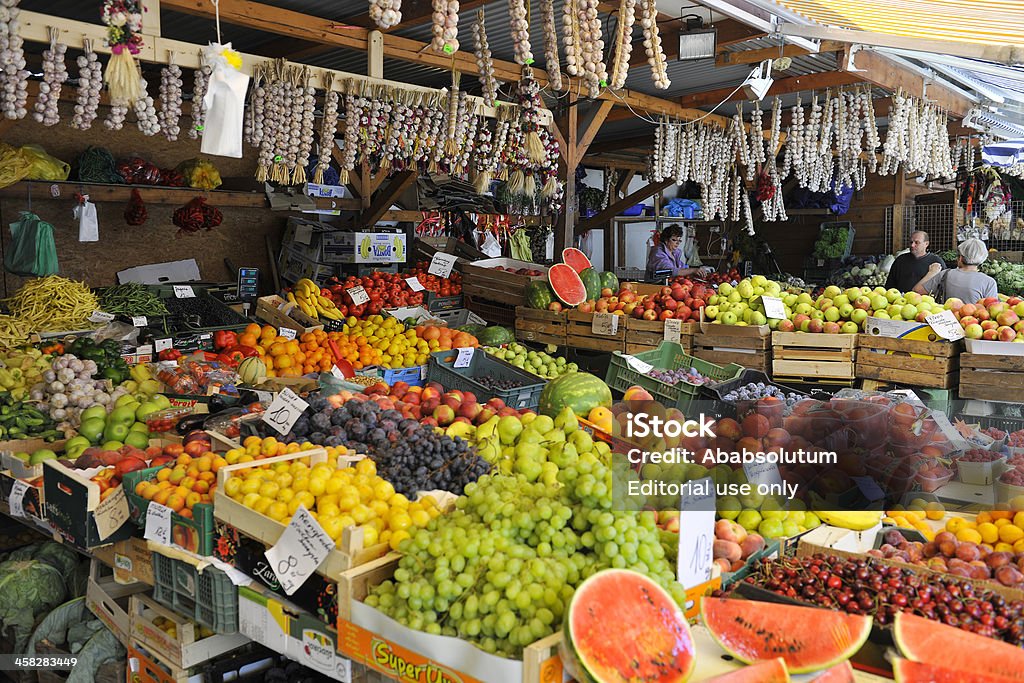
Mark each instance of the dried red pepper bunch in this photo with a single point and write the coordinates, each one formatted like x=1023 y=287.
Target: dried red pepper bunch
x=135 y=213
x=197 y=215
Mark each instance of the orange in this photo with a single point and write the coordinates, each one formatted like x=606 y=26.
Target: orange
x=186 y=513
x=140 y=487
x=218 y=462
x=253 y=329
x=248 y=339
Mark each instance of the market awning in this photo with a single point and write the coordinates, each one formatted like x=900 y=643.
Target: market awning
x=1006 y=153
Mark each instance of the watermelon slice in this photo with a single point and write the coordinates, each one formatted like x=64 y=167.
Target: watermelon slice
x=622 y=627
x=927 y=641
x=566 y=284
x=840 y=673
x=807 y=638
x=907 y=671
x=768 y=671
x=575 y=258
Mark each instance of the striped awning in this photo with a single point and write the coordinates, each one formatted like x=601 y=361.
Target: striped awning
x=985 y=22
x=1003 y=154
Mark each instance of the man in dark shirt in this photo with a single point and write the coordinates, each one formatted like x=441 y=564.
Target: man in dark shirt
x=908 y=269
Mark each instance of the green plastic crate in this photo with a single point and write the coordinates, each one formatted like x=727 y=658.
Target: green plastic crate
x=668 y=356
x=441 y=370
x=195 y=535
x=209 y=596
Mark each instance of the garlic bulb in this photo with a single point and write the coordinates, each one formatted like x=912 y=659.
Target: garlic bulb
x=551 y=63
x=328 y=127
x=484 y=62
x=145 y=111
x=13 y=74
x=445 y=28
x=623 y=43
x=201 y=78
x=252 y=132
x=652 y=44
x=572 y=40
x=520 y=32
x=54 y=75
x=595 y=75
x=169 y=115
x=386 y=13
x=116 y=116
x=90 y=82
x=272 y=121
x=350 y=144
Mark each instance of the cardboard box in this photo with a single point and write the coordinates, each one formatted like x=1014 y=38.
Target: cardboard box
x=72 y=501
x=294 y=267
x=272 y=622
x=131 y=560
x=988 y=347
x=186 y=270
x=326 y=192
x=108 y=600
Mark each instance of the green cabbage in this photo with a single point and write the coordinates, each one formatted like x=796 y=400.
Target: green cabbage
x=28 y=589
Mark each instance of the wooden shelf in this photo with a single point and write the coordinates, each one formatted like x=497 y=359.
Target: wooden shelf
x=658 y=219
x=103 y=192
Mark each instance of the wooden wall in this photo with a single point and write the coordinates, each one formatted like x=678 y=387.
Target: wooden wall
x=241 y=237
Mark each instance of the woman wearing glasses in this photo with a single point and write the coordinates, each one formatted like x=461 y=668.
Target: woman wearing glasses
x=669 y=255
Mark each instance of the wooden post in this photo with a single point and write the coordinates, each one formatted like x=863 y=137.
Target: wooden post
x=151 y=18
x=567 y=125
x=897 y=227
x=375 y=55
x=615 y=208
x=386 y=196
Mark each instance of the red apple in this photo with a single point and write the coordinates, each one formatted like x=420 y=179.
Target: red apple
x=1007 y=318
x=601 y=306
x=989 y=325
x=1006 y=333
x=990 y=334
x=650 y=315
x=666 y=314
x=586 y=307
x=607 y=291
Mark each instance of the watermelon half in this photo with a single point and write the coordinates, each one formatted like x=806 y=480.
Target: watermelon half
x=906 y=671
x=807 y=638
x=623 y=627
x=768 y=671
x=840 y=673
x=566 y=284
x=930 y=642
x=576 y=259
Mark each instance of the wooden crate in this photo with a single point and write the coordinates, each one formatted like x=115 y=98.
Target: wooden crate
x=812 y=355
x=184 y=650
x=541 y=662
x=492 y=310
x=480 y=279
x=907 y=361
x=990 y=377
x=579 y=334
x=650 y=333
x=272 y=310
x=724 y=344
x=542 y=327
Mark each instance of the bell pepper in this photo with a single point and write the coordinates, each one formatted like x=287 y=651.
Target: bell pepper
x=224 y=339
x=169 y=354
x=236 y=354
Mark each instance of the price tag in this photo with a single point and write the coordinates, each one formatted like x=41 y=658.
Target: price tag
x=762 y=473
x=673 y=330
x=15 y=502
x=162 y=344
x=869 y=487
x=263 y=396
x=184 y=292
x=100 y=317
x=358 y=294
x=908 y=393
x=139 y=321
x=696 y=533
x=284 y=411
x=111 y=513
x=286 y=332
x=414 y=284
x=299 y=550
x=605 y=324
x=773 y=307
x=637 y=364
x=158 y=523
x=336 y=371
x=945 y=325
x=423 y=372
x=465 y=357
x=441 y=264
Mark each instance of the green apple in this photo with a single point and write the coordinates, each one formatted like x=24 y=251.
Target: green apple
x=729 y=318
x=832 y=314
x=145 y=410
x=41 y=455
x=125 y=400
x=123 y=415
x=878 y=302
x=141 y=439
x=832 y=291
x=140 y=427
x=92 y=429
x=75 y=445
x=859 y=315
x=94 y=412
x=115 y=431
x=749 y=519
x=849 y=327
x=729 y=507
x=112 y=445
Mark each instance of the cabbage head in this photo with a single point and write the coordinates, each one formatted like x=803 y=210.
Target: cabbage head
x=28 y=589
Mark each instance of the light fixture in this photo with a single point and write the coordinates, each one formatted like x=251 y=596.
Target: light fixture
x=696 y=42
x=759 y=81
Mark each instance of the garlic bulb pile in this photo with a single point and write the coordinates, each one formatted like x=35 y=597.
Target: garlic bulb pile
x=386 y=13
x=572 y=40
x=484 y=62
x=305 y=144
x=551 y=63
x=145 y=111
x=520 y=32
x=201 y=79
x=90 y=82
x=169 y=116
x=595 y=75
x=652 y=44
x=623 y=43
x=328 y=127
x=446 y=26
x=13 y=74
x=54 y=75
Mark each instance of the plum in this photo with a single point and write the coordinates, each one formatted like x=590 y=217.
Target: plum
x=1009 y=575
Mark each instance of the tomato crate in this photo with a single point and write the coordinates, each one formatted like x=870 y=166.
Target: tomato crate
x=207 y=595
x=579 y=333
x=193 y=534
x=803 y=354
x=482 y=279
x=668 y=356
x=186 y=648
x=934 y=364
x=541 y=327
x=441 y=369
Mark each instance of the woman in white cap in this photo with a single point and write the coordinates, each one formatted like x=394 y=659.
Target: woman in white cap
x=964 y=282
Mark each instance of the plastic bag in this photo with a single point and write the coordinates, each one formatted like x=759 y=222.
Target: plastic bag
x=200 y=174
x=32 y=250
x=88 y=222
x=13 y=166
x=225 y=102
x=42 y=166
x=138 y=171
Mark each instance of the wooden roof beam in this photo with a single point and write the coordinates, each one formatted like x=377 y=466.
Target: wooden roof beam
x=414 y=13
x=730 y=32
x=726 y=58
x=878 y=69
x=782 y=86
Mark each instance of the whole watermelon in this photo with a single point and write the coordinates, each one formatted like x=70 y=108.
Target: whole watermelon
x=592 y=281
x=472 y=328
x=496 y=336
x=610 y=281
x=580 y=391
x=539 y=294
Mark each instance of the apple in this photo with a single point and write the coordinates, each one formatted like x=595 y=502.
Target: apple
x=666 y=314
x=601 y=306
x=799 y=319
x=815 y=326
x=860 y=315
x=1007 y=318
x=953 y=304
x=728 y=318
x=831 y=328
x=846 y=310
x=981 y=313
x=1019 y=309
x=804 y=308
x=849 y=327
x=832 y=291
x=989 y=324
x=817 y=315
x=973 y=331
x=586 y=307
x=913 y=298
x=805 y=326
x=840 y=300
x=607 y=291
x=922 y=316
x=1019 y=327
x=1005 y=334
x=649 y=314
x=990 y=334
x=908 y=312
x=969 y=320
x=786 y=326
x=878 y=302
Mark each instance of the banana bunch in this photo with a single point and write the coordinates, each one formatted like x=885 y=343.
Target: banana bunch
x=306 y=295
x=856 y=520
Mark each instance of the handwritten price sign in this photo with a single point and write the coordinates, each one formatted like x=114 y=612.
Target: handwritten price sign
x=299 y=550
x=696 y=533
x=284 y=411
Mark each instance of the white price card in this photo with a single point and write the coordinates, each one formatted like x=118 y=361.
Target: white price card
x=414 y=284
x=358 y=294
x=423 y=372
x=286 y=332
x=263 y=396
x=284 y=411
x=640 y=366
x=162 y=344
x=464 y=358
x=605 y=324
x=336 y=371
x=111 y=513
x=673 y=330
x=762 y=473
x=100 y=317
x=139 y=321
x=773 y=307
x=299 y=550
x=184 y=291
x=16 y=501
x=158 y=523
x=696 y=533
x=869 y=487
x=441 y=264
x=945 y=325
